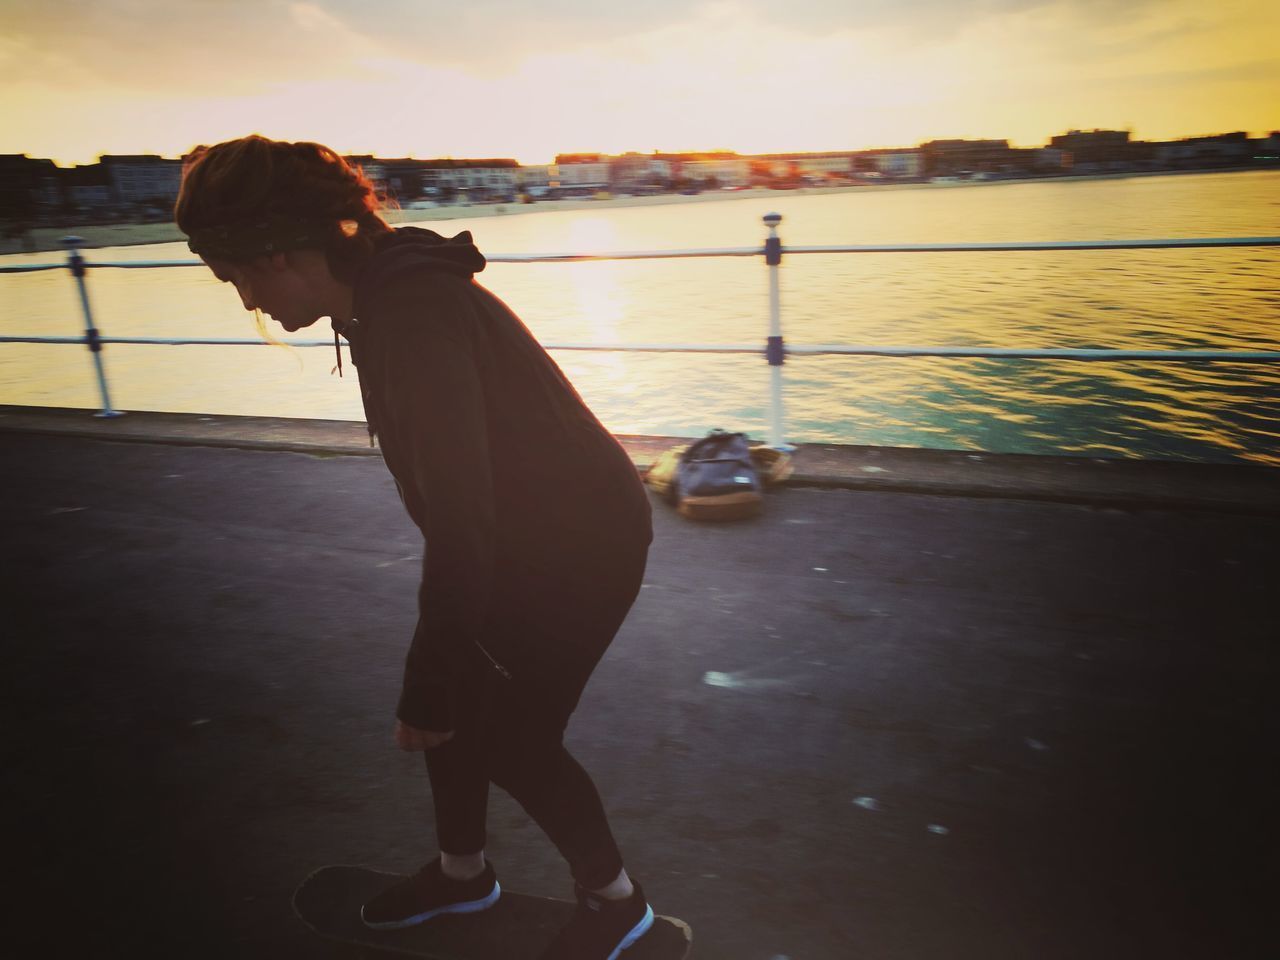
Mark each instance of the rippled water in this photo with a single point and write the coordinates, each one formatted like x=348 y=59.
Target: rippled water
x=1172 y=299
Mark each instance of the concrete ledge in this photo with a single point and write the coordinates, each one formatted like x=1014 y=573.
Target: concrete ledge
x=1128 y=484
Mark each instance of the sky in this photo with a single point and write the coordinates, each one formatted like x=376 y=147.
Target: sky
x=512 y=78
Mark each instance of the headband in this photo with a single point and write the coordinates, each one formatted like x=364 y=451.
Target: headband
x=274 y=233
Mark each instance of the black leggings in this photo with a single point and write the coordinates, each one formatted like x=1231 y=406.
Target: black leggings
x=511 y=731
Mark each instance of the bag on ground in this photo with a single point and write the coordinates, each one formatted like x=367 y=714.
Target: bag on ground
x=715 y=478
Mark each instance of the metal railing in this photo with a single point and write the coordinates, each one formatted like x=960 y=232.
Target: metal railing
x=775 y=350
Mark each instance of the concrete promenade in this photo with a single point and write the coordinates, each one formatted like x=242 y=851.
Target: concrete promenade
x=943 y=708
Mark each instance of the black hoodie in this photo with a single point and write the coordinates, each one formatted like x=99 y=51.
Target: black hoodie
x=518 y=489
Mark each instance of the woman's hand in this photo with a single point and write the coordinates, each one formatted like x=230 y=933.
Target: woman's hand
x=413 y=739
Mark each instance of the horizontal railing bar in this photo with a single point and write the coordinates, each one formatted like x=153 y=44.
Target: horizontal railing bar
x=623 y=255
x=115 y=264
x=145 y=264
x=495 y=258
x=31 y=267
x=1015 y=246
x=993 y=247
x=249 y=342
x=757 y=349
x=800 y=350
x=1034 y=353
x=175 y=341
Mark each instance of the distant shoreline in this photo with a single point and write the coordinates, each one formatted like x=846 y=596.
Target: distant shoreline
x=48 y=239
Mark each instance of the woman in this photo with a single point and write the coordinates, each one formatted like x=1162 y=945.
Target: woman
x=535 y=522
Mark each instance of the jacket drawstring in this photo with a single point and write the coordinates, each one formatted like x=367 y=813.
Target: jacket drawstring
x=348 y=328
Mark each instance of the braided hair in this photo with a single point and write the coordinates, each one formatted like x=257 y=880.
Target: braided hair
x=251 y=197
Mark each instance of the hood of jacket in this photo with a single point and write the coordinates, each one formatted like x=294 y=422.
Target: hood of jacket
x=404 y=250
x=413 y=248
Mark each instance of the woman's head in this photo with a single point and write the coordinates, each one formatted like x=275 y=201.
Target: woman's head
x=251 y=197
x=252 y=203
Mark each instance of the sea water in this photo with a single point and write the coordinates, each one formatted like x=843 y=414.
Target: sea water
x=1143 y=299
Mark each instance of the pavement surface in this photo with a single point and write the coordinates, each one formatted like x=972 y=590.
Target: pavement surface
x=1081 y=480
x=870 y=724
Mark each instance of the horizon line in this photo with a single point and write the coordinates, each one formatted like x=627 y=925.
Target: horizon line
x=65 y=164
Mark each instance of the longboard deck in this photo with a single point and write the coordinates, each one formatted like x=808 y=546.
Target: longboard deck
x=517 y=927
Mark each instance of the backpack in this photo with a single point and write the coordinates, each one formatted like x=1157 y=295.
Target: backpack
x=715 y=479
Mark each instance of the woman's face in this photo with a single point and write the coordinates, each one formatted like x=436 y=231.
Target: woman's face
x=273 y=285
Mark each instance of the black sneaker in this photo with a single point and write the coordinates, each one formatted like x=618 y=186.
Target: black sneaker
x=429 y=893
x=601 y=929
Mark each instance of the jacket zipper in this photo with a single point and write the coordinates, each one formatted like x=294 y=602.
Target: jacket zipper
x=503 y=671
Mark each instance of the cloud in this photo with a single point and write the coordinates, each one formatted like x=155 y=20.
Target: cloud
x=200 y=47
x=500 y=78
x=554 y=25
x=232 y=46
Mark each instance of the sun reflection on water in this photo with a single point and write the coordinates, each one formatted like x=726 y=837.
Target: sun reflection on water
x=1226 y=299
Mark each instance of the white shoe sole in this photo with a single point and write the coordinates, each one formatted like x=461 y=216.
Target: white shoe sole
x=638 y=931
x=468 y=906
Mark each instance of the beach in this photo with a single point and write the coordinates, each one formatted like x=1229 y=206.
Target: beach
x=43 y=239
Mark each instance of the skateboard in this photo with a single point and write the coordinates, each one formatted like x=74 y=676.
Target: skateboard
x=517 y=927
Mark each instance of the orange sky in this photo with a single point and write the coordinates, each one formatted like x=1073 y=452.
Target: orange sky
x=510 y=79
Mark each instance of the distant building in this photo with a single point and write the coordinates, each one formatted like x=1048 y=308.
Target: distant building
x=534 y=179
x=407 y=179
x=87 y=188
x=778 y=169
x=579 y=173
x=1092 y=146
x=726 y=173
x=827 y=165
x=580 y=158
x=963 y=157
x=640 y=173
x=1099 y=151
x=373 y=170
x=895 y=163
x=470 y=179
x=1051 y=159
x=900 y=163
x=810 y=166
x=399 y=179
x=1222 y=150
x=29 y=187
x=142 y=180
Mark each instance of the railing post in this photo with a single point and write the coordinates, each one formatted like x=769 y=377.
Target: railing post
x=775 y=351
x=76 y=262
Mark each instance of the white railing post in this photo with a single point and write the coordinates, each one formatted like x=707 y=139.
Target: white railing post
x=775 y=351
x=76 y=262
